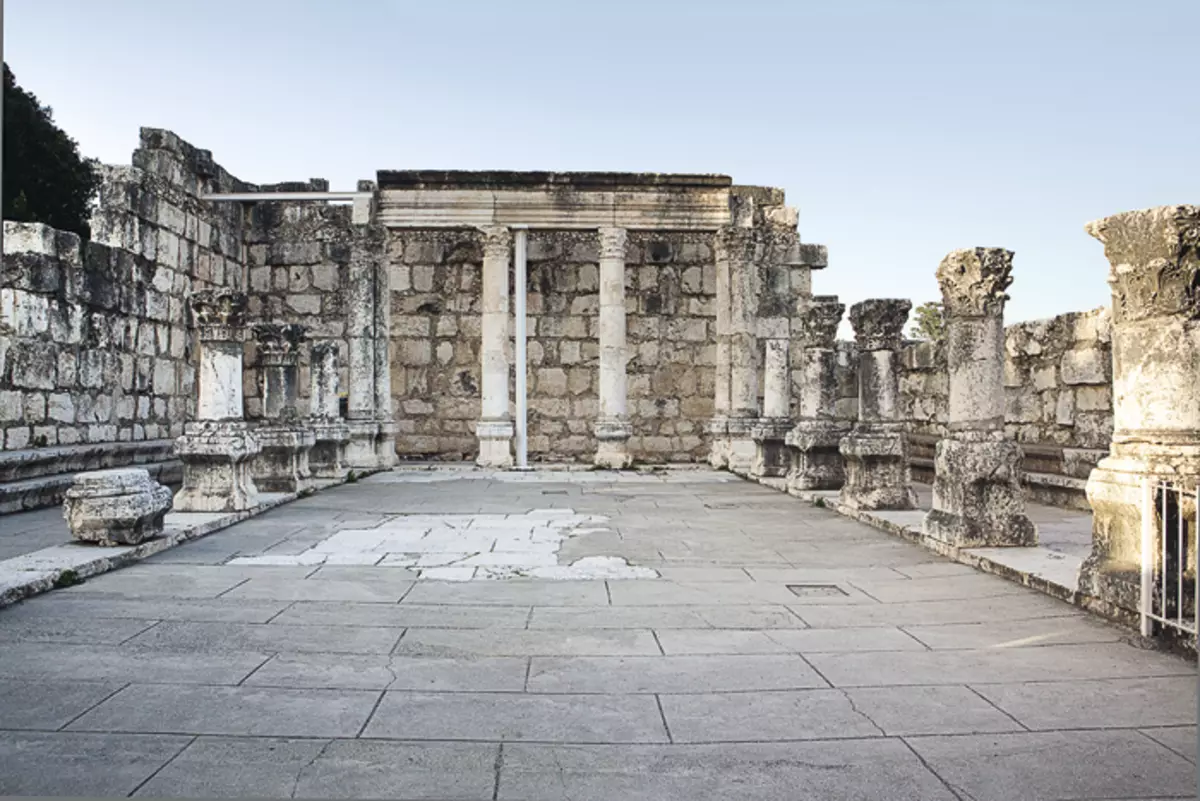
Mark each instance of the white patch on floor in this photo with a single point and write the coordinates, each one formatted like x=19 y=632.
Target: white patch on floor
x=466 y=547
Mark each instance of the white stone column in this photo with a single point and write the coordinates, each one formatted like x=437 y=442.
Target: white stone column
x=1154 y=274
x=878 y=475
x=978 y=500
x=814 y=441
x=495 y=427
x=328 y=456
x=771 y=458
x=612 y=426
x=217 y=448
x=736 y=247
x=361 y=452
x=385 y=443
x=285 y=440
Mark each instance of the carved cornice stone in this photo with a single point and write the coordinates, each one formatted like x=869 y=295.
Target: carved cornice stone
x=612 y=243
x=219 y=314
x=817 y=321
x=1154 y=258
x=973 y=281
x=879 y=323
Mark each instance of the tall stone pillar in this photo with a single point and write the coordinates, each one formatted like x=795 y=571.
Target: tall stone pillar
x=217 y=448
x=612 y=427
x=495 y=427
x=738 y=248
x=771 y=458
x=385 y=442
x=876 y=450
x=328 y=456
x=977 y=496
x=816 y=461
x=718 y=426
x=362 y=421
x=285 y=440
x=1155 y=278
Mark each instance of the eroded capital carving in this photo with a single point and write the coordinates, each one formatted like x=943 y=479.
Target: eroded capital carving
x=279 y=343
x=817 y=321
x=325 y=349
x=973 y=281
x=1154 y=261
x=879 y=323
x=220 y=314
x=612 y=243
x=497 y=241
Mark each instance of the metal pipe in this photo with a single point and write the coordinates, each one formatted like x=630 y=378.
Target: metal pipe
x=1147 y=554
x=520 y=288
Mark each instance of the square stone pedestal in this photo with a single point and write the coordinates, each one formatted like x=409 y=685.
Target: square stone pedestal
x=816 y=461
x=771 y=457
x=978 y=500
x=495 y=443
x=385 y=444
x=877 y=472
x=741 y=448
x=327 y=459
x=718 y=449
x=361 y=448
x=216 y=458
x=612 y=444
x=282 y=463
x=116 y=507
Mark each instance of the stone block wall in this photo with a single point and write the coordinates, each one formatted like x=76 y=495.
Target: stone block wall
x=95 y=345
x=670 y=285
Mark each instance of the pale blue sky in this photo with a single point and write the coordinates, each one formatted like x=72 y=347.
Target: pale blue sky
x=902 y=130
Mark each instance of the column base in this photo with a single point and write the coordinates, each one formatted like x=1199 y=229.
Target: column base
x=216 y=458
x=817 y=463
x=361 y=453
x=742 y=448
x=495 y=443
x=771 y=457
x=718 y=447
x=282 y=462
x=385 y=445
x=327 y=459
x=612 y=444
x=978 y=501
x=877 y=471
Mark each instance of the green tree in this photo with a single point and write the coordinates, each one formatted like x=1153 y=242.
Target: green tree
x=45 y=178
x=929 y=322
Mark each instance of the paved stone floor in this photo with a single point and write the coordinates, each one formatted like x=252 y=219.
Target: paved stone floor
x=784 y=652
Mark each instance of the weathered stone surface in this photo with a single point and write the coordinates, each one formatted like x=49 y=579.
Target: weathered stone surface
x=217 y=455
x=115 y=507
x=815 y=461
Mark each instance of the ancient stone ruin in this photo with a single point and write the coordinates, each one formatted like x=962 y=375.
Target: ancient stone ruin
x=237 y=341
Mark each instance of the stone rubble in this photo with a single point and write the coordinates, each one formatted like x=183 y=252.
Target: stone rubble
x=116 y=507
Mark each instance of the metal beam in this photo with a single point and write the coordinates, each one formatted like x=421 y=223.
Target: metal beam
x=255 y=197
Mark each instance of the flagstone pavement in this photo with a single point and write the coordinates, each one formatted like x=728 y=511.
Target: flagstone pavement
x=679 y=634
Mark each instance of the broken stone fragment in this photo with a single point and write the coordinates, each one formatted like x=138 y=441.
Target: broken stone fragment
x=116 y=507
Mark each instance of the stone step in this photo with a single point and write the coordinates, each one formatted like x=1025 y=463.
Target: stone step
x=37 y=462
x=49 y=490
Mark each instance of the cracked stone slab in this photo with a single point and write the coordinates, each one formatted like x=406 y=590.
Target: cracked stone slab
x=373 y=672
x=68 y=763
x=765 y=716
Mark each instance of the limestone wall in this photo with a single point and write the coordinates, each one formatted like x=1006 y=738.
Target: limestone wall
x=670 y=284
x=95 y=345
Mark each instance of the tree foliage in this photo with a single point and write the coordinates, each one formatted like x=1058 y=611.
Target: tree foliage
x=929 y=322
x=46 y=180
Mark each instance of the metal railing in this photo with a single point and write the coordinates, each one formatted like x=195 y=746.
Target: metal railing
x=1170 y=580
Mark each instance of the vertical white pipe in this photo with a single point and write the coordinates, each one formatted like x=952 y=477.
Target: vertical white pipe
x=1147 y=553
x=520 y=290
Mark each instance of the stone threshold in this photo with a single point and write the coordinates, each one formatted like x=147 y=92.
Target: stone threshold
x=1040 y=568
x=64 y=565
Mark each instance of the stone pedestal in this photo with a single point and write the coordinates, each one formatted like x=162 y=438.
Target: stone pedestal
x=718 y=447
x=284 y=439
x=978 y=500
x=495 y=427
x=771 y=458
x=612 y=426
x=362 y=451
x=813 y=444
x=741 y=447
x=328 y=456
x=217 y=448
x=115 y=507
x=1155 y=280
x=876 y=449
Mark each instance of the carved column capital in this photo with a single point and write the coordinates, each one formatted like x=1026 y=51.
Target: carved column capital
x=1154 y=258
x=973 y=281
x=816 y=322
x=879 y=323
x=219 y=314
x=497 y=241
x=279 y=343
x=321 y=350
x=612 y=243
